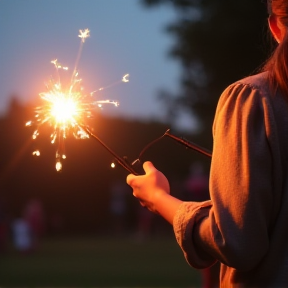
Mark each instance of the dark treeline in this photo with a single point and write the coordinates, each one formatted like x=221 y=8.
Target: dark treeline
x=80 y=193
x=216 y=43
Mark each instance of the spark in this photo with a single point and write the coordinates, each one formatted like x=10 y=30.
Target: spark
x=58 y=166
x=84 y=34
x=66 y=108
x=125 y=78
x=36 y=153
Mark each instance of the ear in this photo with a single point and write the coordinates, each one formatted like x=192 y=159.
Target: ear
x=275 y=28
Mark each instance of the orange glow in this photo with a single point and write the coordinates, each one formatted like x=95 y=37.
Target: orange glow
x=67 y=110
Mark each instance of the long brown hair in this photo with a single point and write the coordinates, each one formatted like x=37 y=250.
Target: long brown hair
x=277 y=65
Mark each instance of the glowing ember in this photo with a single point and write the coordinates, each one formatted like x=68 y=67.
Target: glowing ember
x=65 y=110
x=36 y=153
x=58 y=166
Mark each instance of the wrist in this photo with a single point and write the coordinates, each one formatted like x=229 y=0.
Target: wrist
x=166 y=205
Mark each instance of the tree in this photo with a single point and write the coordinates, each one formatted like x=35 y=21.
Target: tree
x=217 y=43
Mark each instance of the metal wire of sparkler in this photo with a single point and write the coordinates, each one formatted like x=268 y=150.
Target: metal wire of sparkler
x=121 y=160
x=181 y=140
x=134 y=166
x=189 y=144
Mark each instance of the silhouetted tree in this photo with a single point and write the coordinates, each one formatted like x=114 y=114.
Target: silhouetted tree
x=217 y=43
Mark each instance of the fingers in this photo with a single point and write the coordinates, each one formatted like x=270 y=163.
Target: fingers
x=130 y=179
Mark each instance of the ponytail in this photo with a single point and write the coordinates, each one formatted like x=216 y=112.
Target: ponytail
x=277 y=65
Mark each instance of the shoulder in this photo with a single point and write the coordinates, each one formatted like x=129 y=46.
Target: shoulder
x=258 y=81
x=244 y=99
x=253 y=88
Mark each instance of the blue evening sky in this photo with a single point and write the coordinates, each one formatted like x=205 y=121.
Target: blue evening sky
x=126 y=37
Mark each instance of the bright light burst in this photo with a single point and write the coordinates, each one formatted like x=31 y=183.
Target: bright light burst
x=66 y=109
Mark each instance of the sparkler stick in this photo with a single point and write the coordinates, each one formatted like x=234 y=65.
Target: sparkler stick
x=189 y=144
x=186 y=143
x=181 y=140
x=122 y=161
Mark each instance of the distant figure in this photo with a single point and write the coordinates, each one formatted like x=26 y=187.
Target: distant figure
x=196 y=186
x=118 y=206
x=22 y=235
x=34 y=215
x=144 y=224
x=3 y=228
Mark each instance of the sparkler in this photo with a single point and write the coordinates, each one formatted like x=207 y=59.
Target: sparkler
x=67 y=109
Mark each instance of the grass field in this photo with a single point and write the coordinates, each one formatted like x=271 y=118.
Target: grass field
x=99 y=262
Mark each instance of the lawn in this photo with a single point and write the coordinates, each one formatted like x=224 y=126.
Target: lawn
x=99 y=262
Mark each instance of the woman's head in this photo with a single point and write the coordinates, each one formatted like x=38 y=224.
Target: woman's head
x=278 y=18
x=277 y=66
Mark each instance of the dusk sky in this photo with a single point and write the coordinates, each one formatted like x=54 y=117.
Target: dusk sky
x=126 y=37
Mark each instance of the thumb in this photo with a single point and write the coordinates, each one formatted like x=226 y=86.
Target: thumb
x=148 y=167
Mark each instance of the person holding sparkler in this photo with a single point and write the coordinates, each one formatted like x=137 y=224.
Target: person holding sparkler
x=244 y=225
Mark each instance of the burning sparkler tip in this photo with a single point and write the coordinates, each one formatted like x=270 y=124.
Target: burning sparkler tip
x=66 y=108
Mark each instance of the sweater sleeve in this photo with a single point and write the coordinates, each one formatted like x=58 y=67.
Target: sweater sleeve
x=233 y=227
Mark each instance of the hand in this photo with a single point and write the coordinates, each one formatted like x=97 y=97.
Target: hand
x=149 y=188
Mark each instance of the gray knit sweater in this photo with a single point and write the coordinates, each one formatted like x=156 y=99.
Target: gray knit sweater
x=245 y=225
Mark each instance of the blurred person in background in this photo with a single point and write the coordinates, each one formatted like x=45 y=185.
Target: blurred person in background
x=34 y=215
x=118 y=207
x=22 y=235
x=196 y=186
x=4 y=227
